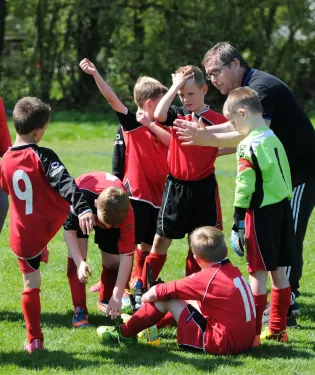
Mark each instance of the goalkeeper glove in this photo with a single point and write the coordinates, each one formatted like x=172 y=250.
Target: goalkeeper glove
x=238 y=237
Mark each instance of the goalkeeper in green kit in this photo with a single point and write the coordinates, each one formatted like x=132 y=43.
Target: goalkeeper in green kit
x=262 y=215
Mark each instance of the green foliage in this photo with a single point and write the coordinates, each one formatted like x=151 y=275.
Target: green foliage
x=45 y=40
x=87 y=147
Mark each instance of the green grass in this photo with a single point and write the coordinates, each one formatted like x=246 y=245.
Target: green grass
x=85 y=144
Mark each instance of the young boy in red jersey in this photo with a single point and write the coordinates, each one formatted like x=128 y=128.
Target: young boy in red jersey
x=41 y=192
x=191 y=197
x=5 y=143
x=114 y=235
x=143 y=154
x=214 y=307
x=262 y=212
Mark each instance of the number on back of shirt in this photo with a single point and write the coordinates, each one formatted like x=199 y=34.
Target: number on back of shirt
x=25 y=195
x=242 y=285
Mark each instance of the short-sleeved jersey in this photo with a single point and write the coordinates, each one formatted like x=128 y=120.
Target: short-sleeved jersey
x=145 y=167
x=224 y=298
x=91 y=185
x=263 y=176
x=5 y=139
x=195 y=162
x=41 y=190
x=288 y=120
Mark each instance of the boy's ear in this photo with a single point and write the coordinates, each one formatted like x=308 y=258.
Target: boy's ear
x=242 y=112
x=205 y=89
x=148 y=103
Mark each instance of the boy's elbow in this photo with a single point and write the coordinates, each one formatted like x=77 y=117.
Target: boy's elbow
x=160 y=116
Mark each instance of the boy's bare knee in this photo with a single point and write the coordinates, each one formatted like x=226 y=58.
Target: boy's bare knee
x=161 y=244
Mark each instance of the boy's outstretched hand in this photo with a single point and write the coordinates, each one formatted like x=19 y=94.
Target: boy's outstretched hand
x=84 y=271
x=88 y=67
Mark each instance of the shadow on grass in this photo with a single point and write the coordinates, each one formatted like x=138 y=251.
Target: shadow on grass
x=55 y=320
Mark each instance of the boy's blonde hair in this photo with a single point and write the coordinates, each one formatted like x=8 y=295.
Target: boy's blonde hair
x=242 y=97
x=147 y=88
x=208 y=244
x=30 y=113
x=198 y=76
x=112 y=206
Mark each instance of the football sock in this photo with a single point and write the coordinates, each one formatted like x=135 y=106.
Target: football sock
x=139 y=262
x=78 y=292
x=191 y=264
x=145 y=317
x=31 y=312
x=156 y=262
x=260 y=304
x=279 y=305
x=108 y=281
x=167 y=321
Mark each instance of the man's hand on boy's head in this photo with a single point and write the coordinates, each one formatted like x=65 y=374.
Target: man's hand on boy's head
x=179 y=79
x=84 y=271
x=87 y=222
x=149 y=296
x=87 y=66
x=142 y=118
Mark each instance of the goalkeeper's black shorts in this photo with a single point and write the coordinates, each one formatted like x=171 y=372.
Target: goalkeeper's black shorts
x=270 y=237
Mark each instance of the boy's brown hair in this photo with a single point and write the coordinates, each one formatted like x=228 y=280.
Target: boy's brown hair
x=242 y=97
x=112 y=206
x=208 y=244
x=30 y=113
x=147 y=88
x=198 y=76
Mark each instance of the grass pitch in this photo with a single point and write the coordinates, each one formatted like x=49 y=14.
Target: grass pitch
x=85 y=143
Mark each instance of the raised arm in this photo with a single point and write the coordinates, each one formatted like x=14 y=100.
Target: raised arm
x=179 y=79
x=89 y=68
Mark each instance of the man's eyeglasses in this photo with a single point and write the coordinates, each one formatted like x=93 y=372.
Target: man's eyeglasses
x=216 y=71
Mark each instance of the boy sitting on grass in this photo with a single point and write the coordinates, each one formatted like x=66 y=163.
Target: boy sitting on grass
x=214 y=307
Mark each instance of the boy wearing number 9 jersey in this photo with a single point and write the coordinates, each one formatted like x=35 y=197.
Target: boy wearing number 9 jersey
x=41 y=192
x=214 y=307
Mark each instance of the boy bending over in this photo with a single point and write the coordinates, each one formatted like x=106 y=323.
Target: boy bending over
x=214 y=307
x=41 y=191
x=114 y=235
x=262 y=210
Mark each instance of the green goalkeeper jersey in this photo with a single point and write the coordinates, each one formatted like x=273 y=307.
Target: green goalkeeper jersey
x=263 y=176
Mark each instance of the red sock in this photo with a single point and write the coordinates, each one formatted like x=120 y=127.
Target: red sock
x=140 y=259
x=279 y=305
x=78 y=292
x=108 y=281
x=145 y=317
x=167 y=321
x=260 y=304
x=156 y=262
x=191 y=264
x=31 y=312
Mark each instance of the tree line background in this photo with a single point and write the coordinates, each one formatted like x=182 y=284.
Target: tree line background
x=42 y=42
